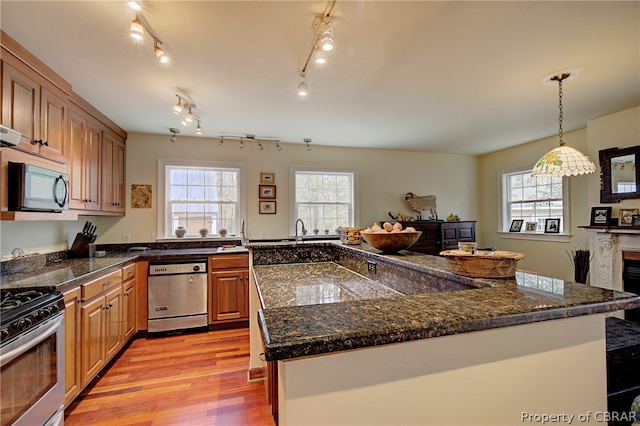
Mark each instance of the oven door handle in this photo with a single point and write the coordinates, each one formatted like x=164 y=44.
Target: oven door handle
x=45 y=332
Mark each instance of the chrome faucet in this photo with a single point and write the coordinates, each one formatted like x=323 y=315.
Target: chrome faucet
x=242 y=232
x=304 y=230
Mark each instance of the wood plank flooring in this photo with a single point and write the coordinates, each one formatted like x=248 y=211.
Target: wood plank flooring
x=185 y=379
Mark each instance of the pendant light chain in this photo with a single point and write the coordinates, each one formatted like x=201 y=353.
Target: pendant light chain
x=560 y=132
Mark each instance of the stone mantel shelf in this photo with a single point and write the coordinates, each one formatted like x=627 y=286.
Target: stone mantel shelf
x=613 y=229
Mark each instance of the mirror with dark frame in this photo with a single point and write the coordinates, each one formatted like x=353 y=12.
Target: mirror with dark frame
x=619 y=174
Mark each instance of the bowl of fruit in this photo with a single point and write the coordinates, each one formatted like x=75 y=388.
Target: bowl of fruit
x=390 y=238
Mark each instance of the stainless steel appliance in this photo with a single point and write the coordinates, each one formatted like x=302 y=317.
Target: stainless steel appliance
x=177 y=293
x=33 y=188
x=31 y=357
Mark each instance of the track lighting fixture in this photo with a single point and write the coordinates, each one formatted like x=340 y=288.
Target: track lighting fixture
x=137 y=30
x=302 y=85
x=187 y=105
x=307 y=141
x=252 y=138
x=321 y=44
x=174 y=132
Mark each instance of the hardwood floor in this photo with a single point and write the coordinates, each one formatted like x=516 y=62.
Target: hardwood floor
x=186 y=379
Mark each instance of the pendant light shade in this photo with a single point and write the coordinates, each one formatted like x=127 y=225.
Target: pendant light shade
x=563 y=160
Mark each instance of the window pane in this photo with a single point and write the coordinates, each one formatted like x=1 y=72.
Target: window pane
x=324 y=199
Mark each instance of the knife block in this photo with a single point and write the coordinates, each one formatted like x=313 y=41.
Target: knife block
x=80 y=247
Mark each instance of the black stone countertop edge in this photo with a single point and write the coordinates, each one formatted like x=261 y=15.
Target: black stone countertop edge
x=297 y=331
x=65 y=274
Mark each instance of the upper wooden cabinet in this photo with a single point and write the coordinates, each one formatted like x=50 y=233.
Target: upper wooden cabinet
x=85 y=145
x=113 y=164
x=34 y=108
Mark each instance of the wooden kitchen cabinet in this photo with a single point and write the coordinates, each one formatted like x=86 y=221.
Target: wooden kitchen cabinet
x=85 y=147
x=34 y=107
x=93 y=338
x=229 y=288
x=113 y=172
x=113 y=322
x=72 y=338
x=129 y=301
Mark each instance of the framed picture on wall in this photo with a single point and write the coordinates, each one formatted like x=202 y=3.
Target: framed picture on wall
x=267 y=191
x=552 y=226
x=516 y=225
x=267 y=207
x=600 y=216
x=635 y=220
x=267 y=177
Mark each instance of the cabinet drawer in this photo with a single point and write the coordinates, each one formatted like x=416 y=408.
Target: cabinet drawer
x=229 y=262
x=129 y=272
x=97 y=286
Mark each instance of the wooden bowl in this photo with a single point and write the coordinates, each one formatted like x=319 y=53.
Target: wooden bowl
x=391 y=242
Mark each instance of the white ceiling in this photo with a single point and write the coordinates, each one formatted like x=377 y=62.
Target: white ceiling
x=448 y=77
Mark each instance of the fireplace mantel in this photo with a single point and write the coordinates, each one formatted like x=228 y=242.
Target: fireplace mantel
x=610 y=242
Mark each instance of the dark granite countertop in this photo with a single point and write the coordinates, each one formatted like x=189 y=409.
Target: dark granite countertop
x=292 y=329
x=70 y=271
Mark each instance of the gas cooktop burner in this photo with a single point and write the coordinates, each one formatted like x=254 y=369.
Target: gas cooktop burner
x=22 y=309
x=12 y=299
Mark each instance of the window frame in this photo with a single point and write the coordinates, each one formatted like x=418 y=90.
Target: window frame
x=161 y=225
x=293 y=169
x=504 y=220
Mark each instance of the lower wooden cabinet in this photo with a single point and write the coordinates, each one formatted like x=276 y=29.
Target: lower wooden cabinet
x=72 y=353
x=438 y=236
x=100 y=317
x=229 y=288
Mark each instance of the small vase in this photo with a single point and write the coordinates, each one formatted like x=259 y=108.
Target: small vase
x=222 y=232
x=315 y=232
x=180 y=231
x=204 y=232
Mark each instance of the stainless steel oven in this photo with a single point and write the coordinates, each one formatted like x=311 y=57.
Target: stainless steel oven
x=32 y=358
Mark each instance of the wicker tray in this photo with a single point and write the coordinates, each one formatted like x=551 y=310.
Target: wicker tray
x=350 y=235
x=502 y=264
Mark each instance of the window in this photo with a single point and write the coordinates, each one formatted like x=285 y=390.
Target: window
x=533 y=199
x=323 y=198
x=200 y=195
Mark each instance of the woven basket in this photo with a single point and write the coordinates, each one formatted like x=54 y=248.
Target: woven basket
x=502 y=264
x=350 y=235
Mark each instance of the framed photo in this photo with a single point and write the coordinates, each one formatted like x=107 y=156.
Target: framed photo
x=267 y=191
x=552 y=226
x=267 y=177
x=516 y=225
x=531 y=227
x=267 y=207
x=600 y=216
x=626 y=216
x=635 y=220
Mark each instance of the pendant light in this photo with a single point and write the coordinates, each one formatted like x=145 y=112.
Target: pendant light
x=563 y=160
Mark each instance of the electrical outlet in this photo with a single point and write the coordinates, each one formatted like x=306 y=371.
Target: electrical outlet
x=371 y=266
x=126 y=237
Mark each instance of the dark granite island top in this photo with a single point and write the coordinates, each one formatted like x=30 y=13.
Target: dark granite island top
x=294 y=328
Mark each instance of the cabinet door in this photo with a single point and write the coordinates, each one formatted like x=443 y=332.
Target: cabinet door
x=229 y=294
x=129 y=309
x=21 y=105
x=93 y=339
x=77 y=132
x=72 y=353
x=113 y=321
x=52 y=125
x=92 y=170
x=113 y=162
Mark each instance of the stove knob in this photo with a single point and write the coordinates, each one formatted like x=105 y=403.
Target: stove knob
x=23 y=324
x=43 y=313
x=196 y=268
x=52 y=309
x=4 y=333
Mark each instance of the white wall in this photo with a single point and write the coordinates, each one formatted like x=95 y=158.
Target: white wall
x=385 y=176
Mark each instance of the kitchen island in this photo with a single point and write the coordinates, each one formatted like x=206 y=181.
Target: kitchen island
x=433 y=348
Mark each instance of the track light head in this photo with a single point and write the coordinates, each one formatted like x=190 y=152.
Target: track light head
x=160 y=54
x=321 y=56
x=189 y=117
x=198 y=128
x=302 y=85
x=241 y=143
x=307 y=141
x=136 y=29
x=260 y=146
x=177 y=109
x=221 y=143
x=174 y=132
x=135 y=6
x=326 y=40
x=278 y=147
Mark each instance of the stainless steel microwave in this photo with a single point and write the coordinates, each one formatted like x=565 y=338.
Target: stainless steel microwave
x=33 y=188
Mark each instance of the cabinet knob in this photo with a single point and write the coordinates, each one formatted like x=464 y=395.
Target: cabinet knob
x=126 y=293
x=45 y=143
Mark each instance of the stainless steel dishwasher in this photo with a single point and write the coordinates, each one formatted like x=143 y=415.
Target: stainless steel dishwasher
x=177 y=293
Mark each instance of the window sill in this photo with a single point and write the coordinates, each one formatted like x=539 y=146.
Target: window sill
x=535 y=236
